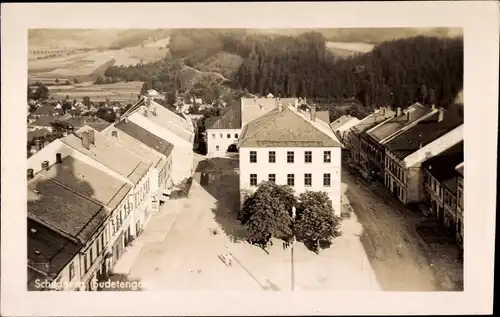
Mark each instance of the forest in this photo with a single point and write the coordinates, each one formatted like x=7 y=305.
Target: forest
x=397 y=72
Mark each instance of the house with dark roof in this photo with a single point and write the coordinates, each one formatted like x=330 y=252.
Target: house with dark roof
x=406 y=152
x=372 y=151
x=223 y=131
x=76 y=211
x=151 y=148
x=342 y=125
x=440 y=185
x=352 y=139
x=292 y=148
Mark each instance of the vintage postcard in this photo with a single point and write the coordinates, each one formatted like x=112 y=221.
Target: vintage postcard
x=183 y=158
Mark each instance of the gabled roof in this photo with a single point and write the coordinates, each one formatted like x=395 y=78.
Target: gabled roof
x=48 y=253
x=96 y=123
x=340 y=122
x=442 y=166
x=47 y=110
x=144 y=136
x=286 y=128
x=373 y=119
x=45 y=121
x=110 y=154
x=323 y=115
x=386 y=129
x=423 y=133
x=59 y=207
x=252 y=108
x=230 y=119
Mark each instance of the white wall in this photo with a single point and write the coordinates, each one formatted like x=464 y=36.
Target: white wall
x=182 y=154
x=214 y=139
x=281 y=168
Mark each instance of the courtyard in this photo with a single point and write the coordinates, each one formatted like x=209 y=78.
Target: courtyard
x=181 y=246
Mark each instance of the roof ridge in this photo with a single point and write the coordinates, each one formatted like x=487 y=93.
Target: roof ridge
x=280 y=113
x=318 y=129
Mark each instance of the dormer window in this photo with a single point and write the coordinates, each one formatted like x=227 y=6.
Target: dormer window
x=33 y=230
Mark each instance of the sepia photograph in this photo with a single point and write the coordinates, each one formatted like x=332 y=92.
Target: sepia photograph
x=245 y=159
x=276 y=159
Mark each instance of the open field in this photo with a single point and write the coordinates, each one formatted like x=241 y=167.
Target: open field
x=224 y=63
x=125 y=92
x=160 y=43
x=347 y=49
x=87 y=66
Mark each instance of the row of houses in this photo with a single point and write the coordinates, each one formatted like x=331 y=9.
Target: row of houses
x=416 y=153
x=91 y=193
x=283 y=140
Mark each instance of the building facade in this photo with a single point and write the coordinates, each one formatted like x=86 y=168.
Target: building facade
x=223 y=132
x=289 y=148
x=405 y=153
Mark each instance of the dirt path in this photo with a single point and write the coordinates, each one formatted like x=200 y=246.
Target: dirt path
x=397 y=254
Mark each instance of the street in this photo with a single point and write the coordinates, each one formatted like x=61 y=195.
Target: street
x=182 y=247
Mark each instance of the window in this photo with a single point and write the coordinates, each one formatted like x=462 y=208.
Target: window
x=327 y=157
x=289 y=157
x=253 y=179
x=229 y=135
x=236 y=135
x=71 y=271
x=327 y=180
x=308 y=179
x=272 y=178
x=102 y=240
x=91 y=252
x=213 y=135
x=216 y=147
x=98 y=242
x=272 y=157
x=85 y=264
x=308 y=157
x=290 y=179
x=253 y=156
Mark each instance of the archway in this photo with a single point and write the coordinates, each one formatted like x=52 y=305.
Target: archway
x=233 y=148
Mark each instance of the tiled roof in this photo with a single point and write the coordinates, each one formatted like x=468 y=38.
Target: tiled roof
x=110 y=154
x=230 y=119
x=323 y=116
x=40 y=133
x=442 y=166
x=47 y=110
x=373 y=119
x=411 y=115
x=89 y=181
x=211 y=120
x=72 y=214
x=340 y=122
x=48 y=253
x=252 y=108
x=96 y=123
x=286 y=128
x=144 y=136
x=423 y=133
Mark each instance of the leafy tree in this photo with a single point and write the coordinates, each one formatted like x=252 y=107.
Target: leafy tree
x=41 y=93
x=265 y=213
x=315 y=220
x=30 y=92
x=75 y=80
x=99 y=81
x=57 y=81
x=86 y=102
x=59 y=128
x=67 y=83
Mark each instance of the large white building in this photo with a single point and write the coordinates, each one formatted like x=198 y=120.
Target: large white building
x=223 y=132
x=292 y=147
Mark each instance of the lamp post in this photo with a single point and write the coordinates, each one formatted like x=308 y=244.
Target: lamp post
x=293 y=242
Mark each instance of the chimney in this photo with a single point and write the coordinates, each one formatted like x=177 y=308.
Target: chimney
x=420 y=145
x=85 y=140
x=30 y=173
x=58 y=158
x=313 y=113
x=433 y=107
x=441 y=115
x=154 y=111
x=45 y=165
x=398 y=113
x=91 y=137
x=145 y=113
x=114 y=133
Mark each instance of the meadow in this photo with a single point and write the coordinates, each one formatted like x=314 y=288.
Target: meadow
x=123 y=91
